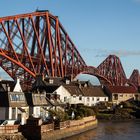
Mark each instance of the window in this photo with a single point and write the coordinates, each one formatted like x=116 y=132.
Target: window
x=74 y=96
x=92 y=98
x=17 y=97
x=13 y=113
x=105 y=99
x=121 y=95
x=65 y=99
x=67 y=82
x=98 y=99
x=115 y=96
x=130 y=95
x=88 y=98
x=51 y=81
x=80 y=97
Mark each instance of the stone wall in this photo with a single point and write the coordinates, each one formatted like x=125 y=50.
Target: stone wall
x=64 y=133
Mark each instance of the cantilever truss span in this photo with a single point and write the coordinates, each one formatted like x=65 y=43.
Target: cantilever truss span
x=37 y=43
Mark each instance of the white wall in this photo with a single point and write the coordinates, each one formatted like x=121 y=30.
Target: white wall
x=75 y=100
x=94 y=100
x=63 y=93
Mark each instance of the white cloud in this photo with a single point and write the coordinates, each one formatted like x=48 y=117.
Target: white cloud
x=120 y=53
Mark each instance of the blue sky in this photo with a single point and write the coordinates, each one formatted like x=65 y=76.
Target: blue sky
x=97 y=27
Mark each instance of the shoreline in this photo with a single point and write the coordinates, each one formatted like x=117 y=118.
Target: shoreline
x=68 y=132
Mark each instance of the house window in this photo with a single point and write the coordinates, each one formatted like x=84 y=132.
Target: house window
x=105 y=99
x=74 y=96
x=121 y=95
x=130 y=95
x=51 y=81
x=88 y=98
x=80 y=98
x=98 y=99
x=13 y=113
x=92 y=98
x=115 y=96
x=67 y=82
x=65 y=99
x=17 y=97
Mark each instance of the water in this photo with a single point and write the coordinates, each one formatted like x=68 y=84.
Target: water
x=112 y=131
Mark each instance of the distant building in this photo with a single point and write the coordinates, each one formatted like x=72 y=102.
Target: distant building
x=119 y=94
x=63 y=91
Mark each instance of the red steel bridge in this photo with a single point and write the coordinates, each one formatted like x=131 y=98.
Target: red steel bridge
x=37 y=43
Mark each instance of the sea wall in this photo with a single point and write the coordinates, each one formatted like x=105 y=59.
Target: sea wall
x=48 y=131
x=64 y=133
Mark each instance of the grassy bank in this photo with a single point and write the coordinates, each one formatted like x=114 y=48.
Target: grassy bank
x=124 y=111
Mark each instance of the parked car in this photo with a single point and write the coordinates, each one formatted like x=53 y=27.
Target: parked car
x=10 y=122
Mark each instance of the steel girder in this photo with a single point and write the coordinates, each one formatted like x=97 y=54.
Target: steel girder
x=37 y=43
x=135 y=78
x=112 y=69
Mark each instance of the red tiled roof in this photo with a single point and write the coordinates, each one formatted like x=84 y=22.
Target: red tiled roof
x=122 y=89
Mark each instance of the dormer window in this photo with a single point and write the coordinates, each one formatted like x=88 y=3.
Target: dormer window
x=74 y=96
x=51 y=81
x=67 y=82
x=17 y=97
x=80 y=97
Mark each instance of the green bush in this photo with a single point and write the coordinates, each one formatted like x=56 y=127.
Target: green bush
x=59 y=114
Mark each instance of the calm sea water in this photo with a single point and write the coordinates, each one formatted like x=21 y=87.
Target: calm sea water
x=112 y=131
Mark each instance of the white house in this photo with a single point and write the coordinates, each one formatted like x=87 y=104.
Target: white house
x=64 y=94
x=93 y=95
x=76 y=95
x=13 y=104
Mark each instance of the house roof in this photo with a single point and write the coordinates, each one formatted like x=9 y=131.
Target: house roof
x=35 y=99
x=122 y=89
x=95 y=91
x=74 y=90
x=4 y=84
x=51 y=88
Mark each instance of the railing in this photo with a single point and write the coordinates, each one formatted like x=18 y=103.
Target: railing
x=9 y=129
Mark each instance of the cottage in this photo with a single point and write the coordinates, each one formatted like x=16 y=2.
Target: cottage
x=43 y=97
x=38 y=104
x=13 y=104
x=93 y=95
x=119 y=94
x=76 y=96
